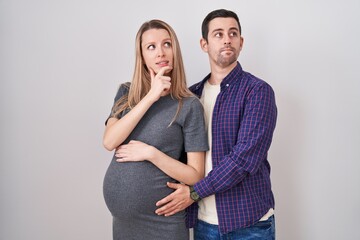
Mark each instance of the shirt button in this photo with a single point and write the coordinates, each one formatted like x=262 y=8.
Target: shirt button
x=227 y=85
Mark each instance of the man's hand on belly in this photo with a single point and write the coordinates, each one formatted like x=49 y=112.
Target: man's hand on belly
x=176 y=201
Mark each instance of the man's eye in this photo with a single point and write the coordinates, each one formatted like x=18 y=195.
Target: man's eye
x=218 y=34
x=233 y=34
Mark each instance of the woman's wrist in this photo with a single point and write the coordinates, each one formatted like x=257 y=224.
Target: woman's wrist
x=151 y=97
x=152 y=151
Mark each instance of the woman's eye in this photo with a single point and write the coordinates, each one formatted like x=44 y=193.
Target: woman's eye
x=151 y=47
x=167 y=44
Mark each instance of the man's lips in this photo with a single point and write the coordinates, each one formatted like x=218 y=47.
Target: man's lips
x=227 y=49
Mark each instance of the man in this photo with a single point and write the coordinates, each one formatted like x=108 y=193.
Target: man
x=236 y=197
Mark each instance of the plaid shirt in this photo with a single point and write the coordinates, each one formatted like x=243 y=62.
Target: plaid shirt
x=243 y=123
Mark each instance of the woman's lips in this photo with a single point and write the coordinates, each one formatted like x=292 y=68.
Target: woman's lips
x=163 y=63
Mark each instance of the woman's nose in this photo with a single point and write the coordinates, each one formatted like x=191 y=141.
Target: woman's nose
x=160 y=52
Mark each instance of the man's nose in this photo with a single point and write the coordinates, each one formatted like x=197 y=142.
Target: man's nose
x=227 y=40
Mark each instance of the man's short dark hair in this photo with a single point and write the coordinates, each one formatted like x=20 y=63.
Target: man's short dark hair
x=222 y=13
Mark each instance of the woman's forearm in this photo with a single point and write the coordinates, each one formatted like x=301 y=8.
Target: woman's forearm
x=186 y=173
x=117 y=130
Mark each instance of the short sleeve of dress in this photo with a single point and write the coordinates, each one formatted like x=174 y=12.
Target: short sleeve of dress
x=123 y=90
x=195 y=135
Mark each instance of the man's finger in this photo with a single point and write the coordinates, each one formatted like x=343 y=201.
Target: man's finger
x=170 y=207
x=170 y=213
x=165 y=200
x=174 y=185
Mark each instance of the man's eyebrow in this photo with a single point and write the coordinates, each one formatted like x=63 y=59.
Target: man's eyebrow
x=217 y=29
x=234 y=28
x=221 y=29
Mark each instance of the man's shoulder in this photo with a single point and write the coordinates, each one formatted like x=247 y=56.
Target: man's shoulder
x=195 y=86
x=253 y=81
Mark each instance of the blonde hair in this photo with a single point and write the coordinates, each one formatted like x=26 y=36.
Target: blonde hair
x=141 y=81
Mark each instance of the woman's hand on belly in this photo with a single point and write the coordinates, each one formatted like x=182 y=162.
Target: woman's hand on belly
x=134 y=151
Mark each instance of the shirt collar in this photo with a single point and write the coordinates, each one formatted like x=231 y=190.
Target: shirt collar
x=226 y=82
x=232 y=77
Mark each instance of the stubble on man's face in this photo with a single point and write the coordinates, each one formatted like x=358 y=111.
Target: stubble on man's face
x=226 y=56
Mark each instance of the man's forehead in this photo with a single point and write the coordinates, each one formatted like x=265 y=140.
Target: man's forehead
x=223 y=24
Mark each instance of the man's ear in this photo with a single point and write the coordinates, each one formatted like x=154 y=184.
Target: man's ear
x=203 y=44
x=241 y=43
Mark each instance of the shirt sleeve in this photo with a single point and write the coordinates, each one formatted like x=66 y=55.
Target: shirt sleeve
x=195 y=136
x=123 y=90
x=252 y=144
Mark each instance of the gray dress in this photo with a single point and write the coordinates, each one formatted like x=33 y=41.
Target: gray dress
x=131 y=189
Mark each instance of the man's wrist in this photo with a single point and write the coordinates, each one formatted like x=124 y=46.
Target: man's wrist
x=194 y=195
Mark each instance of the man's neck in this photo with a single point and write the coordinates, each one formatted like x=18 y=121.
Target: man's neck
x=219 y=73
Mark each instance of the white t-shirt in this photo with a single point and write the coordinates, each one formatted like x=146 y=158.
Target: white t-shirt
x=207 y=206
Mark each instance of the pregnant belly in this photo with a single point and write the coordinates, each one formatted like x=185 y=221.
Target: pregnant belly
x=133 y=188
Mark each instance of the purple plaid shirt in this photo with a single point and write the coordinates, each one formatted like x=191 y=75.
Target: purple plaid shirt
x=243 y=123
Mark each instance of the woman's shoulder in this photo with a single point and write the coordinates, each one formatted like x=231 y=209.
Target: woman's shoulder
x=192 y=111
x=192 y=102
x=122 y=90
x=191 y=98
x=125 y=86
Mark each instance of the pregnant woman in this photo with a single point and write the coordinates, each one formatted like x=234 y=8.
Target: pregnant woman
x=154 y=119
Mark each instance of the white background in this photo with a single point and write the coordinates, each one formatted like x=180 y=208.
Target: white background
x=61 y=62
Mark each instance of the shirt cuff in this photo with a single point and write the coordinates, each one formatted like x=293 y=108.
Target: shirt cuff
x=204 y=188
